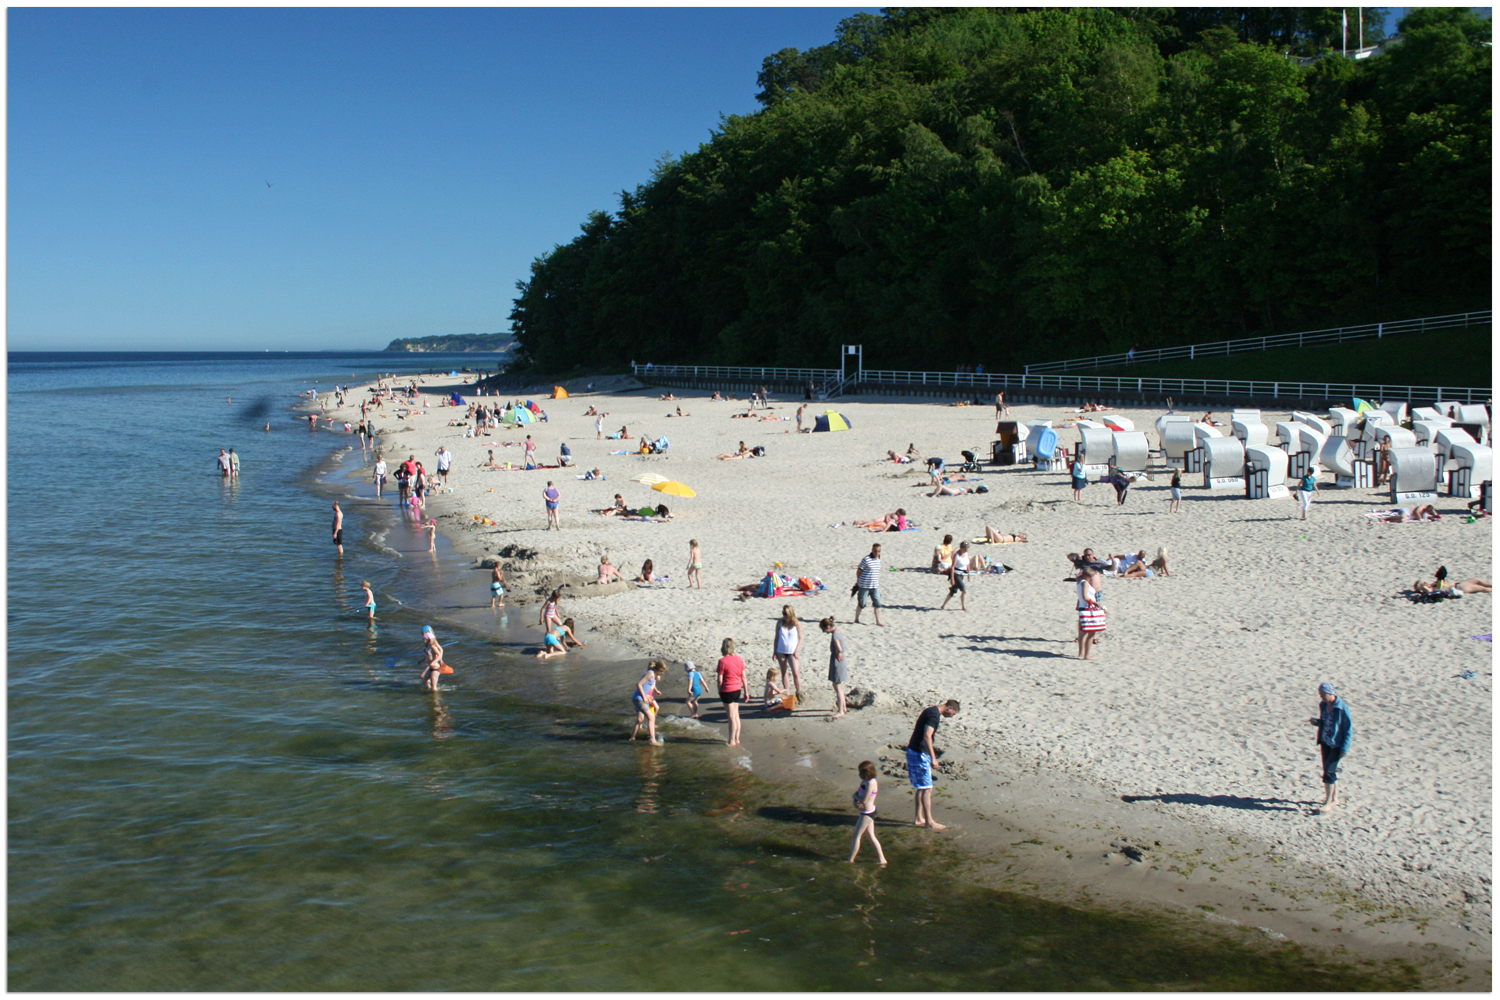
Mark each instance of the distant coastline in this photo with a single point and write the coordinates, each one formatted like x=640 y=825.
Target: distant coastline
x=487 y=343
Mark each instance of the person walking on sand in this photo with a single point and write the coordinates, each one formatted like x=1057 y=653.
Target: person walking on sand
x=643 y=698
x=695 y=564
x=867 y=583
x=922 y=759
x=1335 y=733
x=599 y=427
x=1306 y=487
x=379 y=476
x=445 y=461
x=369 y=598
x=530 y=453
x=864 y=804
x=552 y=498
x=1175 y=507
x=731 y=673
x=788 y=647
x=1092 y=618
x=497 y=588
x=800 y=410
x=838 y=665
x=1079 y=479
x=338 y=527
x=958 y=578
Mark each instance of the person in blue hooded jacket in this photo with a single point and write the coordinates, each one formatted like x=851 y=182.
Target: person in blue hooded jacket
x=1335 y=732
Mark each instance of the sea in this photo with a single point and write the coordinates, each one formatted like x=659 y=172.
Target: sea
x=222 y=776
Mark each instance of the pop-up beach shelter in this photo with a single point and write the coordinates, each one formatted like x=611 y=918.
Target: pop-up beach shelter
x=517 y=415
x=831 y=420
x=558 y=392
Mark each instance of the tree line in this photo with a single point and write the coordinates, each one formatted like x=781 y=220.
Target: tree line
x=958 y=186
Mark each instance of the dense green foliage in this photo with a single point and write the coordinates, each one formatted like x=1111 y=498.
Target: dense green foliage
x=971 y=185
x=1460 y=357
x=489 y=343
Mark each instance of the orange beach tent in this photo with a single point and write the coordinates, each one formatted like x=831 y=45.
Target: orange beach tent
x=558 y=392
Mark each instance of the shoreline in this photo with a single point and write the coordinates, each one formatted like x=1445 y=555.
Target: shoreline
x=1217 y=871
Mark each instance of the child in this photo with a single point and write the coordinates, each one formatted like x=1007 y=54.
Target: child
x=774 y=692
x=695 y=688
x=864 y=802
x=695 y=564
x=431 y=535
x=643 y=698
x=568 y=636
x=497 y=589
x=369 y=598
x=552 y=643
x=434 y=651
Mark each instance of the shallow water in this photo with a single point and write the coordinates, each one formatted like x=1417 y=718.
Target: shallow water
x=222 y=778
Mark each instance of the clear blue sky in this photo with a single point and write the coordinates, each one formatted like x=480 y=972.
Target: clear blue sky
x=419 y=160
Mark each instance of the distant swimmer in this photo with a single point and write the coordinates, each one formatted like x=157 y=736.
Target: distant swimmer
x=338 y=527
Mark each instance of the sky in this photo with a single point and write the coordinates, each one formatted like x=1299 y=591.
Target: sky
x=285 y=179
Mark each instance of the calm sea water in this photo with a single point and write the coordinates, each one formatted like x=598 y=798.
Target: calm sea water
x=220 y=778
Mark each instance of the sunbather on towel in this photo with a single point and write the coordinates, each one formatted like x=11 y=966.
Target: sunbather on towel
x=999 y=538
x=1402 y=515
x=945 y=490
x=1473 y=585
x=744 y=450
x=894 y=521
x=898 y=459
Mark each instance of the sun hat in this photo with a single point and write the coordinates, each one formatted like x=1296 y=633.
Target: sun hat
x=426 y=628
x=1326 y=688
x=688 y=666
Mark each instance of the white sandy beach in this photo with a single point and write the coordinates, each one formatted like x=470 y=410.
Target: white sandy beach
x=1196 y=708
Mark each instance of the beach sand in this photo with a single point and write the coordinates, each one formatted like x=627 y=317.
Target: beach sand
x=1177 y=769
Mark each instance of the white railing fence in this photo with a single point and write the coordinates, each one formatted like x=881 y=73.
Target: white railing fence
x=1308 y=338
x=828 y=379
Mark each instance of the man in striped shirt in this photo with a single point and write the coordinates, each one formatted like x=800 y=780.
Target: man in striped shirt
x=867 y=584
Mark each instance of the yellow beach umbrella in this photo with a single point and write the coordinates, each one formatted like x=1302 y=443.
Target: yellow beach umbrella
x=673 y=488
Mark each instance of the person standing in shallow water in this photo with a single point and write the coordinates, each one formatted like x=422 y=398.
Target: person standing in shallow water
x=1335 y=733
x=338 y=527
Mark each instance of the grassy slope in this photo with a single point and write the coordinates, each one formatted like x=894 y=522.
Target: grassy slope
x=1447 y=357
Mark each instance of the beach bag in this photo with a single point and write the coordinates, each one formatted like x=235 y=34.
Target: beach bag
x=981 y=488
x=1092 y=619
x=806 y=584
x=767 y=586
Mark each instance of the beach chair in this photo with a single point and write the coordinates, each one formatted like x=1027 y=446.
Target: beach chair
x=1249 y=430
x=1397 y=410
x=1308 y=452
x=1414 y=474
x=1426 y=413
x=1446 y=439
x=1287 y=437
x=1124 y=423
x=1177 y=440
x=1095 y=448
x=1475 y=420
x=1265 y=472
x=1447 y=408
x=1044 y=448
x=1338 y=458
x=1314 y=421
x=1399 y=437
x=1131 y=451
x=1223 y=463
x=1202 y=433
x=1471 y=465
x=1343 y=421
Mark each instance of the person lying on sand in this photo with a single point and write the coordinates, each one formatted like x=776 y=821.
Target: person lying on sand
x=994 y=537
x=1403 y=515
x=667 y=396
x=741 y=416
x=716 y=397
x=738 y=454
x=944 y=490
x=898 y=459
x=894 y=521
x=679 y=413
x=1473 y=585
x=1130 y=565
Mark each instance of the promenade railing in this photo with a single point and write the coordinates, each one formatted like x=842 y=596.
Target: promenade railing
x=1081 y=385
x=1308 y=338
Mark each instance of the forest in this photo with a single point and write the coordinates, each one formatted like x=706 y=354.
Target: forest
x=990 y=186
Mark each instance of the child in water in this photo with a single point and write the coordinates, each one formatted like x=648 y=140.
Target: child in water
x=434 y=651
x=643 y=699
x=369 y=598
x=695 y=688
x=864 y=802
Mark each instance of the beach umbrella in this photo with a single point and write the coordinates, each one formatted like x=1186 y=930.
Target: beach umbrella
x=673 y=488
x=1360 y=406
x=649 y=478
x=831 y=420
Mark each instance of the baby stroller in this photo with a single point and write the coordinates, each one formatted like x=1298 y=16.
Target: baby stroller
x=970 y=464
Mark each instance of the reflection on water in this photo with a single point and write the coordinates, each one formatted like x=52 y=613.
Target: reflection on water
x=223 y=777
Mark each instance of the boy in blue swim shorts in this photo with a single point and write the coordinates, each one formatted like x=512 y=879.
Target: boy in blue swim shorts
x=922 y=761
